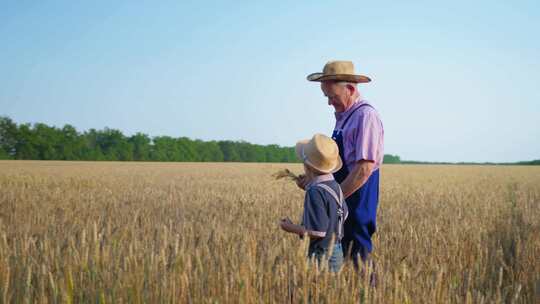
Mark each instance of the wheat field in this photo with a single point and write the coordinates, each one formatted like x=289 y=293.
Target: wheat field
x=105 y=232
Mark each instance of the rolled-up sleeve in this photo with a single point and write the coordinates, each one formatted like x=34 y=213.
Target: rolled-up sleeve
x=315 y=218
x=366 y=137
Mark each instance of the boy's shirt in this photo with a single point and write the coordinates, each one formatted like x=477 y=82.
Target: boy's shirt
x=321 y=212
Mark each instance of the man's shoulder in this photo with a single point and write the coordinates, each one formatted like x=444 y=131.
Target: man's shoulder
x=367 y=108
x=366 y=112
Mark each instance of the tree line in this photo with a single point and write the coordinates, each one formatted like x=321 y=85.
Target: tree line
x=42 y=142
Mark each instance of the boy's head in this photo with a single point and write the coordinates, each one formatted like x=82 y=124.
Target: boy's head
x=320 y=154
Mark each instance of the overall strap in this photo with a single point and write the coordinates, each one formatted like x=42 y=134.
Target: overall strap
x=331 y=191
x=347 y=119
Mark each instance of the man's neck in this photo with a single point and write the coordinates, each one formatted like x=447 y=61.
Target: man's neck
x=354 y=100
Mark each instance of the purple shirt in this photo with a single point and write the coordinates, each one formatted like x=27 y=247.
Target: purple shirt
x=363 y=136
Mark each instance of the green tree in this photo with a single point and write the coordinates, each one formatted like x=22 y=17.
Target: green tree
x=46 y=141
x=8 y=137
x=208 y=151
x=25 y=146
x=114 y=145
x=141 y=144
x=4 y=155
x=71 y=144
x=273 y=153
x=92 y=150
x=187 y=148
x=165 y=149
x=229 y=151
x=391 y=159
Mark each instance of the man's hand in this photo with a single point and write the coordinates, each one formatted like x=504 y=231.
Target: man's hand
x=302 y=181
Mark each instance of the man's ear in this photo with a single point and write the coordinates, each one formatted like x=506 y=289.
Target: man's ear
x=351 y=88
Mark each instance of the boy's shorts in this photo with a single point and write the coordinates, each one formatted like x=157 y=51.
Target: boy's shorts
x=335 y=260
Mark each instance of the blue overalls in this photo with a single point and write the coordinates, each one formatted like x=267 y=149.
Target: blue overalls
x=362 y=204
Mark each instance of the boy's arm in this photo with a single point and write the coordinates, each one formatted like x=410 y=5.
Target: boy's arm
x=288 y=226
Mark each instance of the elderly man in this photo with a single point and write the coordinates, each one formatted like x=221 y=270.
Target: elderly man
x=359 y=135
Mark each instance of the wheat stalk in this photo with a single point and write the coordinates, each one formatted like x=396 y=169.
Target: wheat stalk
x=286 y=173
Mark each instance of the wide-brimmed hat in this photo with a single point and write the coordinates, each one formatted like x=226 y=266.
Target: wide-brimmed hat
x=320 y=152
x=338 y=71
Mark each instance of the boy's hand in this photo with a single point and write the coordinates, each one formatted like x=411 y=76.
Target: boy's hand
x=302 y=181
x=286 y=224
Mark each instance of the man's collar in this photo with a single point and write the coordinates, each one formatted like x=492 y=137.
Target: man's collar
x=320 y=178
x=351 y=108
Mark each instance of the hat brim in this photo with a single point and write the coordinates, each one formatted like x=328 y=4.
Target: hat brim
x=333 y=169
x=338 y=77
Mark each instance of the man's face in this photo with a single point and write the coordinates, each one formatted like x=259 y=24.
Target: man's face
x=338 y=95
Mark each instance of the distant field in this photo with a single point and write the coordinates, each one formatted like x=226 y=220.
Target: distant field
x=207 y=233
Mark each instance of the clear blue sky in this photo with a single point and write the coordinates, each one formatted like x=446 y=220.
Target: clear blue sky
x=453 y=81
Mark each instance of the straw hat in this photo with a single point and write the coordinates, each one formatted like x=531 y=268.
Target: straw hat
x=338 y=71
x=320 y=152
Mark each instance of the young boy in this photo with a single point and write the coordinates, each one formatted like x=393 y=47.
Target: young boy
x=325 y=209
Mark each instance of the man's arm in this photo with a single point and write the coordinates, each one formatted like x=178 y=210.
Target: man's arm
x=357 y=177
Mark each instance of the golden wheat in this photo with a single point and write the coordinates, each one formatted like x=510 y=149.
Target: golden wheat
x=207 y=233
x=287 y=174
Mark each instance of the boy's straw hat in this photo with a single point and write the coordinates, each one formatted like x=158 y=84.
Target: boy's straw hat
x=320 y=152
x=338 y=71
